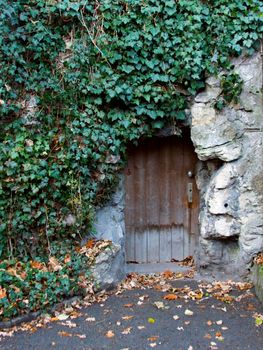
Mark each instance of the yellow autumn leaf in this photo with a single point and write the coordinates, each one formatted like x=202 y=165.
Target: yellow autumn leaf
x=151 y=320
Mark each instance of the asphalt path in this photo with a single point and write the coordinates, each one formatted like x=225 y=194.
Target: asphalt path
x=143 y=319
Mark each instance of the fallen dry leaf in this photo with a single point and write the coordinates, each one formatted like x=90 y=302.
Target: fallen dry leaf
x=90 y=244
x=168 y=274
x=170 y=297
x=67 y=258
x=110 y=334
x=127 y=317
x=159 y=305
x=258 y=319
x=90 y=319
x=196 y=295
x=158 y=287
x=62 y=317
x=64 y=334
x=128 y=305
x=153 y=338
x=37 y=265
x=127 y=330
x=259 y=259
x=81 y=336
x=243 y=285
x=208 y=336
x=2 y=293
x=188 y=312
x=54 y=264
x=69 y=324
x=226 y=298
x=75 y=314
x=251 y=307
x=141 y=327
x=151 y=320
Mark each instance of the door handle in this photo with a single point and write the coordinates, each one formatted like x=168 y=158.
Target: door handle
x=190 y=192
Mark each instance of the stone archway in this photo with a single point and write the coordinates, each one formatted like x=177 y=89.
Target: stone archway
x=229 y=144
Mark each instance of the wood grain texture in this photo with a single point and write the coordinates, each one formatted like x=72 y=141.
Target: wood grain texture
x=161 y=223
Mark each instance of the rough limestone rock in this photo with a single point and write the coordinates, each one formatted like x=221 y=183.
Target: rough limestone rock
x=231 y=217
x=109 y=222
x=215 y=135
x=108 y=268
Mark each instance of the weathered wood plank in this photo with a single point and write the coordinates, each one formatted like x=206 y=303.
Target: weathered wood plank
x=141 y=246
x=153 y=245
x=178 y=243
x=165 y=245
x=130 y=244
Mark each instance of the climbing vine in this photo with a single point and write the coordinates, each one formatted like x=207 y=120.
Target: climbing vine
x=80 y=80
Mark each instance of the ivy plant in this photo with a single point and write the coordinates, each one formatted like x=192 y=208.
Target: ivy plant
x=80 y=80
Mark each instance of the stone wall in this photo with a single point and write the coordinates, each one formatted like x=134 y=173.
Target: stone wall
x=230 y=178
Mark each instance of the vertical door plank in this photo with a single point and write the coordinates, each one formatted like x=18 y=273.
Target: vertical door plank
x=139 y=190
x=152 y=184
x=193 y=243
x=177 y=243
x=141 y=246
x=165 y=245
x=153 y=245
x=130 y=244
x=176 y=183
x=186 y=244
x=164 y=184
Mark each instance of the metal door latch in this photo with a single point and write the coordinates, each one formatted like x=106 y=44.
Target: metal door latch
x=190 y=192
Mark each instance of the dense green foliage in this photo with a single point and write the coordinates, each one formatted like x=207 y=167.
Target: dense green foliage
x=38 y=284
x=35 y=285
x=79 y=80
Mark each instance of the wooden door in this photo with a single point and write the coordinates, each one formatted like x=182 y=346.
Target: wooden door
x=162 y=204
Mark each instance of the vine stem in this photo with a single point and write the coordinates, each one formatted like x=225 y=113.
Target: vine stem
x=11 y=250
x=83 y=22
x=48 y=241
x=80 y=199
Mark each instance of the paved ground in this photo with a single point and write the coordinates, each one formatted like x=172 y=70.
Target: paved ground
x=154 y=268
x=132 y=321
